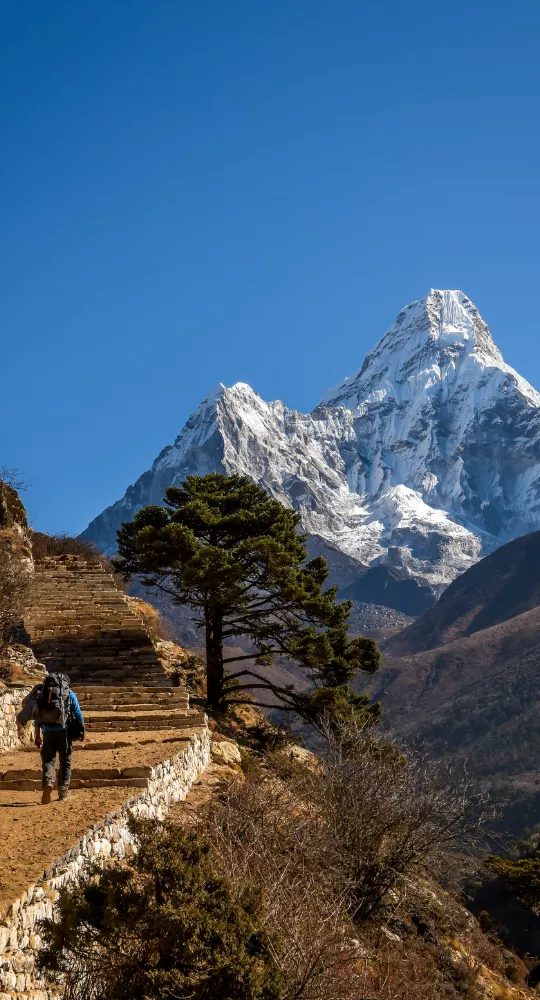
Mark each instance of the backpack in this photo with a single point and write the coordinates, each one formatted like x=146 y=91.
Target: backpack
x=53 y=701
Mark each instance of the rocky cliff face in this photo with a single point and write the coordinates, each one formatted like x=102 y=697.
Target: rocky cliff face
x=422 y=462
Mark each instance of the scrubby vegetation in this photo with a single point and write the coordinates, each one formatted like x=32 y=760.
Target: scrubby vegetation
x=61 y=544
x=16 y=583
x=225 y=548
x=521 y=875
x=155 y=624
x=309 y=881
x=164 y=925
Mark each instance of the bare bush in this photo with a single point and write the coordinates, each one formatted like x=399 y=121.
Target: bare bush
x=256 y=834
x=16 y=583
x=7 y=670
x=383 y=815
x=327 y=843
x=13 y=478
x=61 y=544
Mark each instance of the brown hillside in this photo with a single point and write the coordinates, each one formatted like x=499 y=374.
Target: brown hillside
x=499 y=666
x=500 y=587
x=473 y=692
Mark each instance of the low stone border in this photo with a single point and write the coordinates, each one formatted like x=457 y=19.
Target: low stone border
x=19 y=938
x=11 y=700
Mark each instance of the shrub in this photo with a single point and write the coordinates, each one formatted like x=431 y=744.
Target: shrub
x=521 y=875
x=11 y=506
x=61 y=544
x=326 y=844
x=16 y=583
x=382 y=814
x=164 y=925
x=279 y=891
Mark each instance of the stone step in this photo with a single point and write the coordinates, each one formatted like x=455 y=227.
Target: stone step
x=130 y=691
x=36 y=994
x=155 y=695
x=157 y=683
x=93 y=689
x=124 y=715
x=134 y=706
x=154 y=692
x=94 y=631
x=144 y=724
x=123 y=669
x=111 y=740
x=130 y=674
x=35 y=786
x=148 y=679
x=79 y=773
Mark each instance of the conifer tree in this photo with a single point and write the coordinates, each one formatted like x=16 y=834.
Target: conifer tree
x=225 y=548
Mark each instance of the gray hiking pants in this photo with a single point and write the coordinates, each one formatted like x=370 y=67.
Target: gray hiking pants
x=56 y=742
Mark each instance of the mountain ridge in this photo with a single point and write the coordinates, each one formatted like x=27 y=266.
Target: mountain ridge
x=464 y=679
x=422 y=462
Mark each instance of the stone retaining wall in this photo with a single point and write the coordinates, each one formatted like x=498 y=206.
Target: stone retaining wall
x=19 y=931
x=10 y=704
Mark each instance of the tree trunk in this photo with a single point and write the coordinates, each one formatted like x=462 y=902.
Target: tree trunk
x=214 y=659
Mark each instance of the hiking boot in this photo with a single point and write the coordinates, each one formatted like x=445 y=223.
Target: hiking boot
x=46 y=797
x=63 y=793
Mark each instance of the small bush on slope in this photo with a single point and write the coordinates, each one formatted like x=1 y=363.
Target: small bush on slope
x=155 y=624
x=341 y=846
x=365 y=818
x=61 y=544
x=164 y=925
x=16 y=581
x=312 y=887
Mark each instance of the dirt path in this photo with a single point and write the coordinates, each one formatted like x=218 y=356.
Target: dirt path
x=32 y=836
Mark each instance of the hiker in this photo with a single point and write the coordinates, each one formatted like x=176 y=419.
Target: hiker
x=56 y=714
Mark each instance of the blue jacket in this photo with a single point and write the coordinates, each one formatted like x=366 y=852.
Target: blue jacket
x=75 y=709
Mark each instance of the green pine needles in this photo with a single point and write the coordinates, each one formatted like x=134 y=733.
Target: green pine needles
x=522 y=876
x=225 y=548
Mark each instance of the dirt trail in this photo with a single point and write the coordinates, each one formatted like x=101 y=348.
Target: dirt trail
x=32 y=836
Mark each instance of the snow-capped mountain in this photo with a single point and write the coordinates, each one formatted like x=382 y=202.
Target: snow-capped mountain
x=423 y=461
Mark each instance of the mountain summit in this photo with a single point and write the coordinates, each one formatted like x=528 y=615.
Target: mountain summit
x=431 y=341
x=421 y=462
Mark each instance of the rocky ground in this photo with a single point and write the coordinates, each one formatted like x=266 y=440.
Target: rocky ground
x=371 y=619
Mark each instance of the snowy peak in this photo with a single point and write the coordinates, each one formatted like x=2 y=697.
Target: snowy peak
x=439 y=337
x=424 y=460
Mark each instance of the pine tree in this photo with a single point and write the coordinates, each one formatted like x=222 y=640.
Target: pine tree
x=225 y=548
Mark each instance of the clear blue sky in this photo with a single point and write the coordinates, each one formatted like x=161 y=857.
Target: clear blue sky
x=195 y=191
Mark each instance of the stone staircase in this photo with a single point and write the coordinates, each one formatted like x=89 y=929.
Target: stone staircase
x=82 y=625
x=144 y=748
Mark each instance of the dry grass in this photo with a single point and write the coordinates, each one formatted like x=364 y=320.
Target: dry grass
x=16 y=582
x=61 y=544
x=330 y=847
x=155 y=625
x=7 y=670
